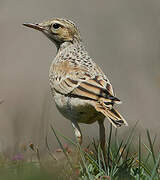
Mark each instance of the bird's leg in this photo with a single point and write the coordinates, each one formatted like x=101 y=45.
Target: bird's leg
x=78 y=135
x=77 y=132
x=102 y=138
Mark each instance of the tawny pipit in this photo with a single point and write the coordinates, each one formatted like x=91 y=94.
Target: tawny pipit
x=81 y=91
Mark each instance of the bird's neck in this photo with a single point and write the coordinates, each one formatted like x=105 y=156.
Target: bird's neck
x=63 y=46
x=66 y=44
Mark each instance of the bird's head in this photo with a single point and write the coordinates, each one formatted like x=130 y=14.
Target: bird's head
x=58 y=30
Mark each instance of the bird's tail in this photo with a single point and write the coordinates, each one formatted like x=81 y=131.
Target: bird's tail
x=113 y=116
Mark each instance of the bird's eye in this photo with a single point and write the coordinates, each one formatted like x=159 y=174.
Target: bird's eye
x=56 y=26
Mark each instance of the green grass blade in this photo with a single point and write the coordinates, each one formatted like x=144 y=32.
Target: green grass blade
x=116 y=139
x=48 y=149
x=118 y=152
x=127 y=143
x=99 y=157
x=66 y=138
x=104 y=163
x=64 y=151
x=121 y=153
x=139 y=157
x=84 y=162
x=131 y=135
x=155 y=168
x=149 y=151
x=143 y=165
x=94 y=161
x=151 y=146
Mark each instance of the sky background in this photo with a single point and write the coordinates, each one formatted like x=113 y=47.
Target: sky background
x=122 y=36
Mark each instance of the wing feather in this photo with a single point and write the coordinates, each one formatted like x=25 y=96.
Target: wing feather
x=78 y=81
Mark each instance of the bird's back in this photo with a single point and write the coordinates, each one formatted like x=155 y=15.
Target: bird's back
x=73 y=61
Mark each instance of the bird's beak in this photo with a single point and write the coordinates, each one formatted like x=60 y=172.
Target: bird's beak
x=35 y=26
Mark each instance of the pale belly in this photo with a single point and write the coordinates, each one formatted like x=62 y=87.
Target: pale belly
x=76 y=109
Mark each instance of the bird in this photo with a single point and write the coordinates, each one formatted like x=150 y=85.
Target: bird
x=80 y=89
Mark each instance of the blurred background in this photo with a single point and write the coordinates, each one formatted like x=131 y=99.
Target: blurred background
x=122 y=36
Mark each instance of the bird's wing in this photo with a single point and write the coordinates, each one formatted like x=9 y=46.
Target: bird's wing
x=78 y=81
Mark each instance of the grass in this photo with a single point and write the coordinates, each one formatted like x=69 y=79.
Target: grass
x=125 y=162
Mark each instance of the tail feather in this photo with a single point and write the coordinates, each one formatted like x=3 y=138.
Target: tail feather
x=115 y=99
x=113 y=116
